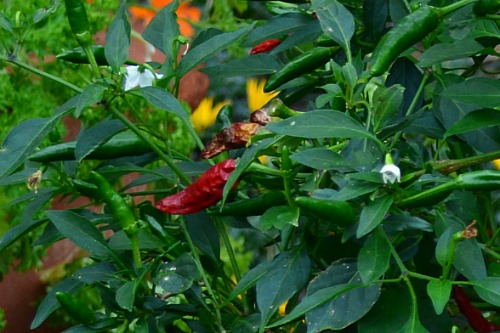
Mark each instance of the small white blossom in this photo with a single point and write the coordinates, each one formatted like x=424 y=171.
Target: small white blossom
x=139 y=77
x=390 y=174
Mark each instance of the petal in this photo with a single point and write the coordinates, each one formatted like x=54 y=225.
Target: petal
x=146 y=79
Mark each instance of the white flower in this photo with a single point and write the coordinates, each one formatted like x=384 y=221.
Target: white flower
x=390 y=172
x=139 y=77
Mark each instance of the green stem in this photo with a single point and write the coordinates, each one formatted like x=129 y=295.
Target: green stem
x=414 y=310
x=42 y=73
x=411 y=108
x=232 y=258
x=87 y=48
x=203 y=274
x=449 y=260
x=134 y=240
x=153 y=146
x=454 y=6
x=394 y=253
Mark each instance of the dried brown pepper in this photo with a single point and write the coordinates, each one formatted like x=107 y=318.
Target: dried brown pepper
x=235 y=136
x=204 y=192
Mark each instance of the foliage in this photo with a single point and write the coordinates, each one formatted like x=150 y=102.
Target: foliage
x=375 y=253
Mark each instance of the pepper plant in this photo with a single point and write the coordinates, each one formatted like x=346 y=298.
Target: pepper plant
x=362 y=198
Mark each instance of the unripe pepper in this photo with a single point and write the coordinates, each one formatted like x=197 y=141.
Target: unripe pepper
x=265 y=46
x=78 y=21
x=203 y=193
x=122 y=214
x=303 y=64
x=406 y=33
x=252 y=206
x=77 y=310
x=339 y=212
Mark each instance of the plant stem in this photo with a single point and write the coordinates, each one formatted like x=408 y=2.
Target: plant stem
x=42 y=73
x=203 y=274
x=153 y=146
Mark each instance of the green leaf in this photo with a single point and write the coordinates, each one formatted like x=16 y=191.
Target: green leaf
x=373 y=214
x=321 y=159
x=387 y=103
x=483 y=28
x=204 y=234
x=480 y=91
x=320 y=124
x=18 y=231
x=118 y=39
x=24 y=138
x=444 y=246
x=277 y=27
x=92 y=138
x=336 y=21
x=125 y=295
x=288 y=274
x=374 y=256
x=439 y=292
x=312 y=301
x=469 y=260
x=354 y=189
x=250 y=279
x=164 y=100
x=248 y=157
x=255 y=65
x=441 y=52
x=489 y=289
x=50 y=303
x=279 y=217
x=209 y=48
x=475 y=120
x=163 y=30
x=42 y=14
x=392 y=313
x=81 y=231
x=92 y=94
x=342 y=311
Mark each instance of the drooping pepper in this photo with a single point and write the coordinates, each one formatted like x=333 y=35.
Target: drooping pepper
x=77 y=310
x=78 y=21
x=339 y=212
x=252 y=206
x=486 y=7
x=409 y=31
x=122 y=214
x=203 y=193
x=265 y=46
x=474 y=316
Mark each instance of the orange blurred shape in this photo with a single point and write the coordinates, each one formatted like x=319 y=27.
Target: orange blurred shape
x=185 y=14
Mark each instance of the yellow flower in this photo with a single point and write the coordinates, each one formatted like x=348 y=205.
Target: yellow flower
x=496 y=164
x=256 y=96
x=205 y=114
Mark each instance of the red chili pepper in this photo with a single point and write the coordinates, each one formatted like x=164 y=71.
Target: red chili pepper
x=265 y=46
x=203 y=193
x=473 y=315
x=235 y=136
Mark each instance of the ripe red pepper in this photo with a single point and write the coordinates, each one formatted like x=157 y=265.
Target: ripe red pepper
x=473 y=315
x=265 y=46
x=204 y=192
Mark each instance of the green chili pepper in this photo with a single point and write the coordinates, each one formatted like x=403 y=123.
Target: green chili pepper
x=482 y=180
x=303 y=64
x=76 y=309
x=122 y=214
x=78 y=21
x=123 y=144
x=486 y=7
x=78 y=56
x=406 y=33
x=85 y=188
x=339 y=212
x=252 y=206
